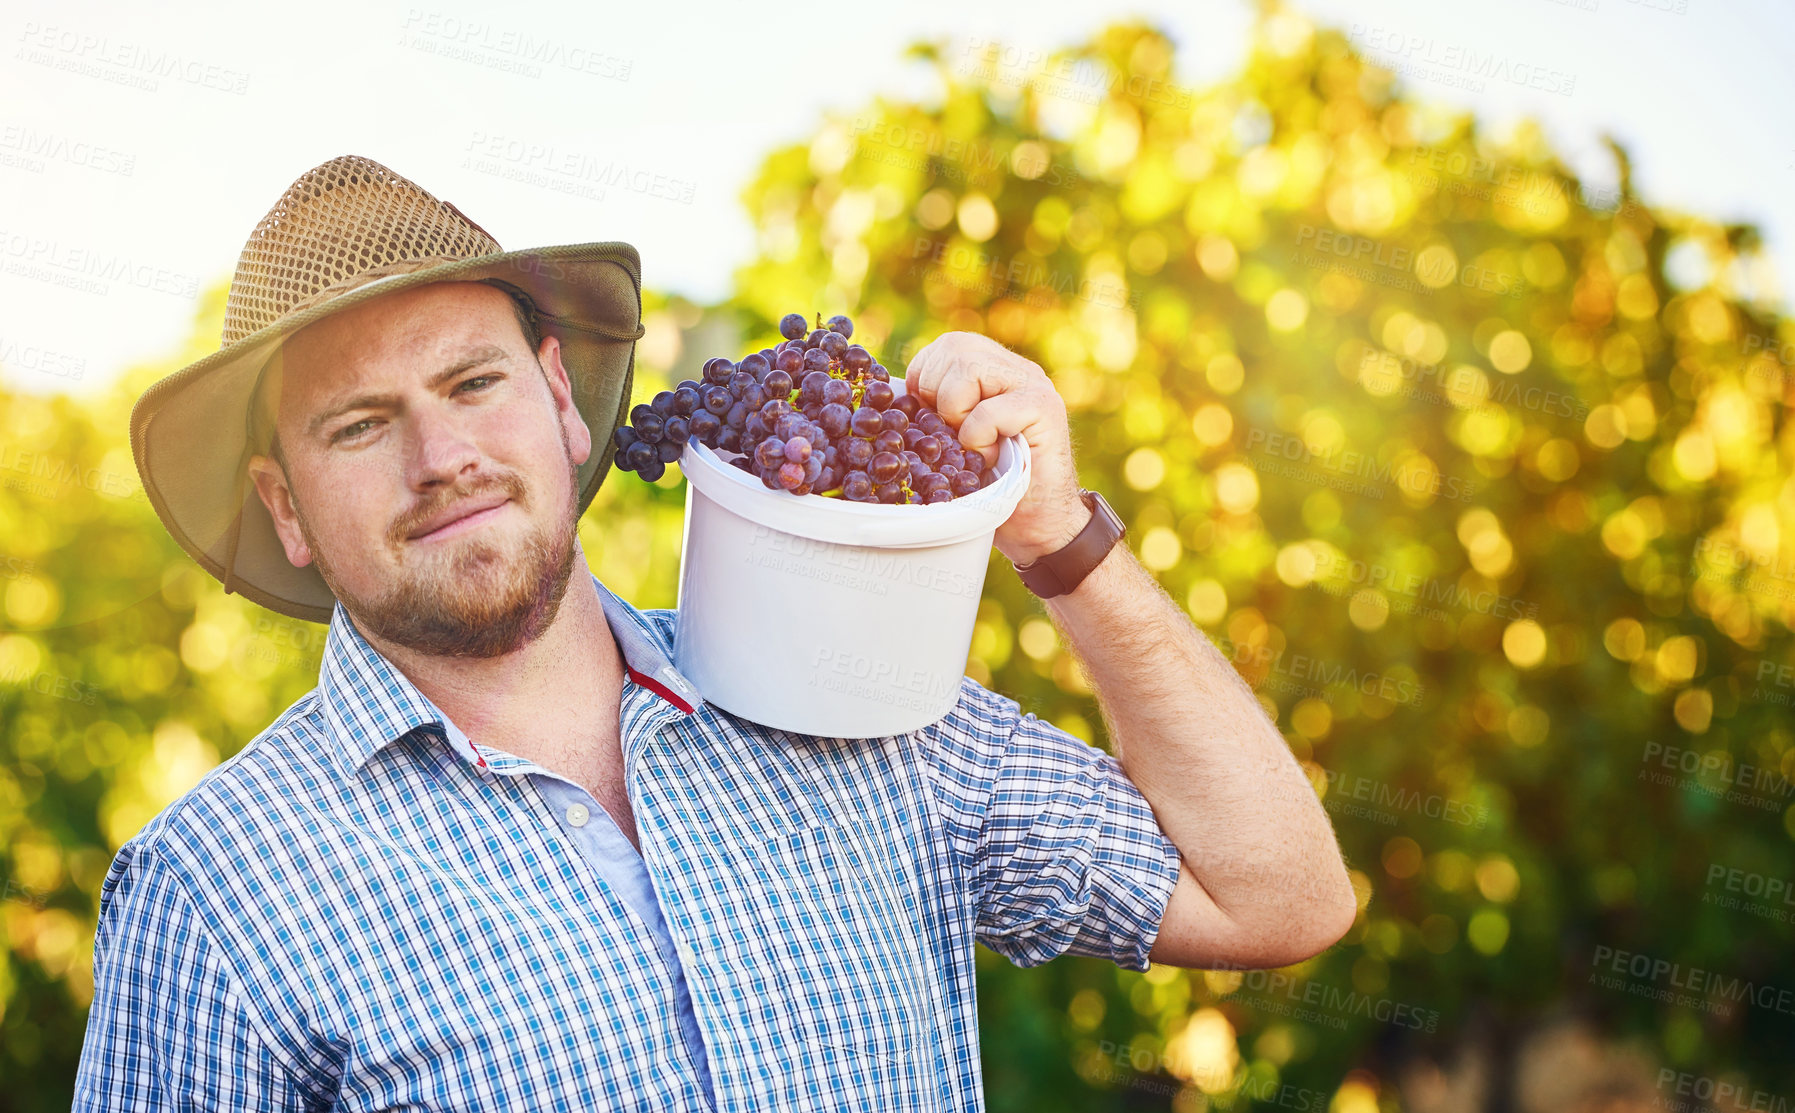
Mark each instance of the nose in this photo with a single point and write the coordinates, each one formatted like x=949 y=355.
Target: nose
x=441 y=451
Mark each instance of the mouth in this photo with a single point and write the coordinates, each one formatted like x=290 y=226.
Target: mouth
x=463 y=519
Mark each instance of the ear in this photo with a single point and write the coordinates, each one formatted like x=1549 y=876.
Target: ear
x=579 y=437
x=271 y=486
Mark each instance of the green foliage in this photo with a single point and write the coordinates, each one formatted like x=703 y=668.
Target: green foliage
x=1489 y=509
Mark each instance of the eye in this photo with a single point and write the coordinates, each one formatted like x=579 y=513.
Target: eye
x=347 y=432
x=476 y=379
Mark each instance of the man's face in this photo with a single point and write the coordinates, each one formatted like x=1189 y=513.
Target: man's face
x=409 y=410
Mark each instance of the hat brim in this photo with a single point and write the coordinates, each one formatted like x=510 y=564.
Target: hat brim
x=190 y=433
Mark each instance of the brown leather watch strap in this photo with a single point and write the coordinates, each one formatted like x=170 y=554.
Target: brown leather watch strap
x=1061 y=572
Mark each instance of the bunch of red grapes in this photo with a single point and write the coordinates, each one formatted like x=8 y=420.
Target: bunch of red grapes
x=815 y=415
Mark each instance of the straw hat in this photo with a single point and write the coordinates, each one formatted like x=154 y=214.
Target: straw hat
x=343 y=233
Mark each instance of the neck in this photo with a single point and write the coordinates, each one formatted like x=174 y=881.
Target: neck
x=540 y=698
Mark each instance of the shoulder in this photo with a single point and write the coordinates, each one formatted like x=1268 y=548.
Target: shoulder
x=251 y=798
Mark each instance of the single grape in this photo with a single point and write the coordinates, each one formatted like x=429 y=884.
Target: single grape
x=975 y=462
x=741 y=462
x=909 y=403
x=879 y=395
x=792 y=326
x=686 y=400
x=756 y=366
x=811 y=411
x=637 y=413
x=790 y=361
x=813 y=469
x=789 y=426
x=889 y=440
x=737 y=415
x=770 y=453
x=857 y=359
x=769 y=478
x=797 y=451
x=717 y=370
x=842 y=325
x=653 y=470
x=729 y=439
x=668 y=451
x=778 y=384
x=774 y=410
x=791 y=476
x=857 y=486
x=913 y=435
x=662 y=403
x=895 y=419
x=677 y=430
x=889 y=493
x=939 y=494
x=858 y=451
x=834 y=343
x=816 y=359
x=810 y=387
x=649 y=427
x=623 y=436
x=815 y=338
x=740 y=382
x=928 y=448
x=919 y=471
x=717 y=399
x=934 y=481
x=834 y=419
x=884 y=467
x=755 y=396
x=929 y=421
x=963 y=483
x=879 y=373
x=705 y=426
x=837 y=390
x=640 y=454
x=867 y=422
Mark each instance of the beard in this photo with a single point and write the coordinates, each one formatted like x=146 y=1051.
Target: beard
x=472 y=599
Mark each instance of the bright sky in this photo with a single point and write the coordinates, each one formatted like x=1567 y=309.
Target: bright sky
x=159 y=179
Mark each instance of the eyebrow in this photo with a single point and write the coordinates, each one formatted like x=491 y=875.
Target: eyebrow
x=478 y=357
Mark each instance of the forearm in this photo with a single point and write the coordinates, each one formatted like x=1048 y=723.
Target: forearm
x=1192 y=737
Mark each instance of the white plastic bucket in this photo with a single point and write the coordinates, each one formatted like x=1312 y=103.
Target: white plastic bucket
x=827 y=617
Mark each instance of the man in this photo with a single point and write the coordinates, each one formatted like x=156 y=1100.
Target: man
x=504 y=856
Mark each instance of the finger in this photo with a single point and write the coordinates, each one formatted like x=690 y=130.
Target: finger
x=971 y=377
x=1005 y=415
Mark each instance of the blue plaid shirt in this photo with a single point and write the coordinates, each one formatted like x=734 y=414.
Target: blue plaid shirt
x=365 y=910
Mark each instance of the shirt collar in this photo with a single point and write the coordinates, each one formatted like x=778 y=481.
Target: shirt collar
x=370 y=704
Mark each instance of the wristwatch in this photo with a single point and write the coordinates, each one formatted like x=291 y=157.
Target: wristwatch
x=1060 y=572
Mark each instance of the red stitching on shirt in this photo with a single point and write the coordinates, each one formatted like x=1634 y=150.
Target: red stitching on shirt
x=658 y=689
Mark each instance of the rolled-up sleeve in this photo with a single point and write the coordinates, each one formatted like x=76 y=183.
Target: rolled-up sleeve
x=166 y=1030
x=1060 y=852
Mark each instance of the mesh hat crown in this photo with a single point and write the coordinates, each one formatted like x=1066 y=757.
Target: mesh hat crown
x=344 y=233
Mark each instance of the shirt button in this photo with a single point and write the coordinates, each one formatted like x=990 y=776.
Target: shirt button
x=685 y=953
x=577 y=815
